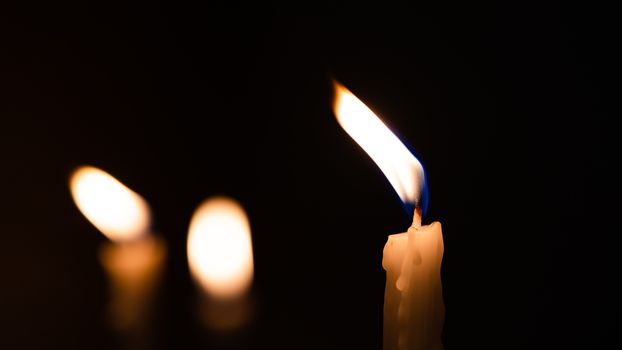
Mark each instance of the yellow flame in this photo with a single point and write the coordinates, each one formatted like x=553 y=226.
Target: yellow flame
x=398 y=164
x=118 y=212
x=220 y=253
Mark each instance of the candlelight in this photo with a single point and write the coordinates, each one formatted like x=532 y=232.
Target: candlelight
x=414 y=311
x=399 y=165
x=118 y=212
x=133 y=258
x=220 y=252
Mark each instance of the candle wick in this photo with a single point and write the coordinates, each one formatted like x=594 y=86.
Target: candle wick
x=417 y=218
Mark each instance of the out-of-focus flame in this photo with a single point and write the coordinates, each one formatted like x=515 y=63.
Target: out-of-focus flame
x=118 y=212
x=220 y=253
x=399 y=165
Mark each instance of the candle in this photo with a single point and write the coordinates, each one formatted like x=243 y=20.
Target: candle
x=413 y=304
x=133 y=258
x=220 y=257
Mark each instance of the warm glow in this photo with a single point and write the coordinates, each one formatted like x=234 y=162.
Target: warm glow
x=220 y=252
x=118 y=212
x=401 y=168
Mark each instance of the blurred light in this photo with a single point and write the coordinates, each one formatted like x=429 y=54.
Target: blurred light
x=118 y=212
x=220 y=252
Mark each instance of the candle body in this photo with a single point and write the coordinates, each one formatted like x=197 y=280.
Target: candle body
x=225 y=315
x=414 y=311
x=133 y=271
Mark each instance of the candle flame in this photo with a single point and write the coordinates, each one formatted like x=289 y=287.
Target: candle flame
x=399 y=165
x=220 y=253
x=118 y=212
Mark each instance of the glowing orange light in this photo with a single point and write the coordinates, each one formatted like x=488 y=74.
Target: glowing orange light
x=220 y=253
x=118 y=212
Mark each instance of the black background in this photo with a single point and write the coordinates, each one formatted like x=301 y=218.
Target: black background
x=508 y=108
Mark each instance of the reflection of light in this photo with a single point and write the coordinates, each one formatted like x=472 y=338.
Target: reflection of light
x=118 y=212
x=401 y=168
x=220 y=252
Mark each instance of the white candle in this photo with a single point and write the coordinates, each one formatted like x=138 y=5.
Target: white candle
x=414 y=311
x=413 y=306
x=133 y=258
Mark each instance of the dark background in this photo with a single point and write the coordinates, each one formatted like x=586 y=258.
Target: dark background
x=509 y=109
